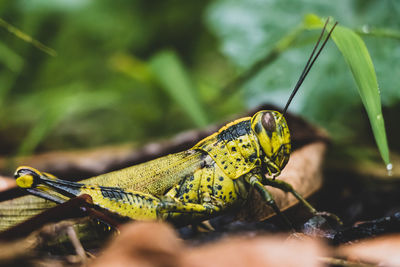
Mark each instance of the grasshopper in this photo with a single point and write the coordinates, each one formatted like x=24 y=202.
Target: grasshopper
x=212 y=177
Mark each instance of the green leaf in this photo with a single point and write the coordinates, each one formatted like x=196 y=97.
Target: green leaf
x=23 y=36
x=171 y=75
x=356 y=55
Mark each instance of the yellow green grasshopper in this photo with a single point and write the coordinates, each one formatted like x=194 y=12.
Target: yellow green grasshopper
x=212 y=177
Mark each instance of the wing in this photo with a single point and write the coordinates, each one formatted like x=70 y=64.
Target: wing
x=17 y=210
x=153 y=177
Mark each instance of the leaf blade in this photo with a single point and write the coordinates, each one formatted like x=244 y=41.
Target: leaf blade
x=357 y=57
x=169 y=71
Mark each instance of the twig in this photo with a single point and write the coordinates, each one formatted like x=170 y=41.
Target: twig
x=344 y=263
x=80 y=251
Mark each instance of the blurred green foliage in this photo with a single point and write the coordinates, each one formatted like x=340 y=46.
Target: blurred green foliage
x=138 y=70
x=103 y=87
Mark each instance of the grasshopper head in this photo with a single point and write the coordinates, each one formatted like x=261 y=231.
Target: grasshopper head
x=273 y=135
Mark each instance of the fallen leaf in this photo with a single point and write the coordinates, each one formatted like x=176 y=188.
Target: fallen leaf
x=383 y=251
x=156 y=244
x=142 y=244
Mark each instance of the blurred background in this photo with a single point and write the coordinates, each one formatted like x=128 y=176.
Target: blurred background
x=139 y=71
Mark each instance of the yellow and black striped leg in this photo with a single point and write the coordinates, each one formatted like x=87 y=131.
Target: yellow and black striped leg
x=269 y=200
x=125 y=203
x=165 y=207
x=289 y=189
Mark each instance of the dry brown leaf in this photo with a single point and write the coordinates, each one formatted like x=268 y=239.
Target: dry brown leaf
x=156 y=244
x=260 y=251
x=142 y=244
x=384 y=250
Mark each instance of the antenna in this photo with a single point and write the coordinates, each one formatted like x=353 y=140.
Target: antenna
x=310 y=63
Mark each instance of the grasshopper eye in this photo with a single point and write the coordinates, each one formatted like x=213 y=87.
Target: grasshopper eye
x=268 y=122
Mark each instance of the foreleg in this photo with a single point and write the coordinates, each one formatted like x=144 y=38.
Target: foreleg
x=266 y=195
x=289 y=189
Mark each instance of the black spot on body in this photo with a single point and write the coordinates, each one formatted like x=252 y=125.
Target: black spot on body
x=234 y=149
x=208 y=179
x=221 y=178
x=253 y=157
x=219 y=187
